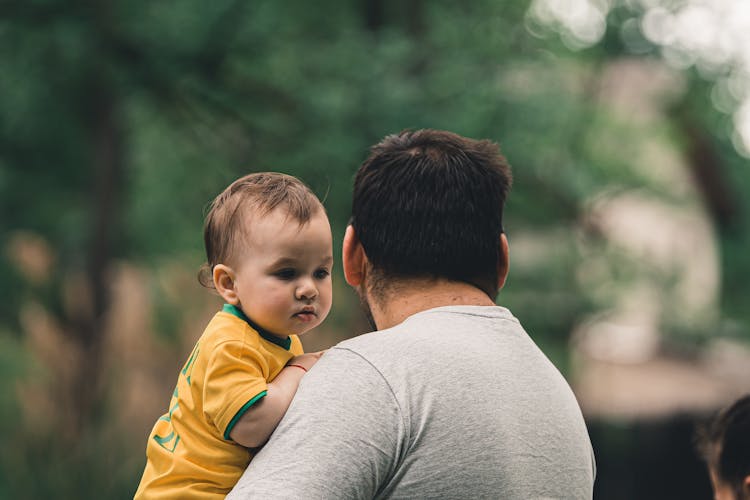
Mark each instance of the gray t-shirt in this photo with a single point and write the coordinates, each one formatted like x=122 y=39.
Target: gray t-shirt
x=455 y=402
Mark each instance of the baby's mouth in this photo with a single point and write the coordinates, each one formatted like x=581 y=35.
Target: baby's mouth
x=306 y=315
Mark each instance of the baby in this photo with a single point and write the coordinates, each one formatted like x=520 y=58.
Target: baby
x=269 y=251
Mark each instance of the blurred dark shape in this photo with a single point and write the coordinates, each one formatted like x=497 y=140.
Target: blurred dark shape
x=648 y=460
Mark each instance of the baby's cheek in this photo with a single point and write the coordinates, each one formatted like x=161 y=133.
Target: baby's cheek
x=273 y=302
x=278 y=301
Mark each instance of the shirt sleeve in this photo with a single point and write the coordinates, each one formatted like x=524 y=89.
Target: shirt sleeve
x=234 y=382
x=341 y=437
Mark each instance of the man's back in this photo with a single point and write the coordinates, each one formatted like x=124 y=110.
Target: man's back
x=455 y=402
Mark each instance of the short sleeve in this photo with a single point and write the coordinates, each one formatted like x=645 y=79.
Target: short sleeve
x=341 y=437
x=234 y=381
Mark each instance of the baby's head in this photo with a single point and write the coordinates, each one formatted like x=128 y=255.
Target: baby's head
x=269 y=252
x=725 y=445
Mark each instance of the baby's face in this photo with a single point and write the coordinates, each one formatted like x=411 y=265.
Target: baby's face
x=283 y=275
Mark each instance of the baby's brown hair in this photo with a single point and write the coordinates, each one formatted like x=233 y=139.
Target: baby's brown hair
x=223 y=231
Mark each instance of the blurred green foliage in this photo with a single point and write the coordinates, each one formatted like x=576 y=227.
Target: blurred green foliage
x=120 y=121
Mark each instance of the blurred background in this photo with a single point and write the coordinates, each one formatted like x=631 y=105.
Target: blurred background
x=627 y=123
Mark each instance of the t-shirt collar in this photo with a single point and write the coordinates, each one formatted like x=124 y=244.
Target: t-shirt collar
x=284 y=343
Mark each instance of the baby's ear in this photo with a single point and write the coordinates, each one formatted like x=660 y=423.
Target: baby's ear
x=224 y=283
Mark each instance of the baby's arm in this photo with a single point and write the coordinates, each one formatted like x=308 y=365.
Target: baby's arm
x=256 y=425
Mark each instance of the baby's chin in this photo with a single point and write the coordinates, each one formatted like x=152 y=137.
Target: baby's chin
x=307 y=326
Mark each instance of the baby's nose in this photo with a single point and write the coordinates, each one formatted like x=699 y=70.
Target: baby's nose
x=306 y=290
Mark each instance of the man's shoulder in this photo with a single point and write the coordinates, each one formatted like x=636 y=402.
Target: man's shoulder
x=445 y=315
x=447 y=324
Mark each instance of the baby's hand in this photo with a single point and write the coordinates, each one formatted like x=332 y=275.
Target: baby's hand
x=306 y=360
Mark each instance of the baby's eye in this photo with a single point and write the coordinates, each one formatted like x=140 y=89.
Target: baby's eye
x=285 y=274
x=321 y=274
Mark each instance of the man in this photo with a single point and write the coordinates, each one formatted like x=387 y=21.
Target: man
x=450 y=398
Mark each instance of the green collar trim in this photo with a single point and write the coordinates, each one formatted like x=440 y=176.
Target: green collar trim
x=284 y=343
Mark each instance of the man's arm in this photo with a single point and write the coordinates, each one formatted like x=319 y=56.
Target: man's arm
x=256 y=425
x=341 y=437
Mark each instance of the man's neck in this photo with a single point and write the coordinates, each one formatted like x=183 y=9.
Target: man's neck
x=414 y=296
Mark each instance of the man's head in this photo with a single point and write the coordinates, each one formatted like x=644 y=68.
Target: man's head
x=725 y=445
x=429 y=204
x=268 y=250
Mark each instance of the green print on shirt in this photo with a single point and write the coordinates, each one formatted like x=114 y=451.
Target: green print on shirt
x=170 y=440
x=188 y=369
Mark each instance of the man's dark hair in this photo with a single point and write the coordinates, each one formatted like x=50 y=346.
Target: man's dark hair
x=429 y=203
x=725 y=444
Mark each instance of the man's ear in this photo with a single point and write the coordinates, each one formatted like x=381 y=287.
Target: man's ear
x=225 y=284
x=746 y=486
x=503 y=261
x=353 y=258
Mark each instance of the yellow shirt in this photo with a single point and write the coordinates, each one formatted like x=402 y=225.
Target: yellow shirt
x=189 y=453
